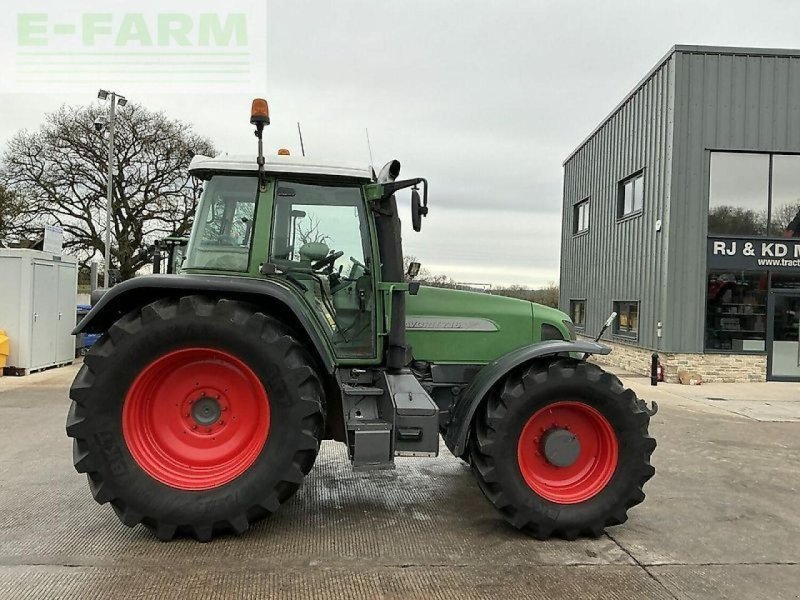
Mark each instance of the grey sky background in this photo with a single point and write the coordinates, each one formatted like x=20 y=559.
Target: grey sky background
x=485 y=99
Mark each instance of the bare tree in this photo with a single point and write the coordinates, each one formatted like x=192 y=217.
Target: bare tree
x=785 y=219
x=11 y=210
x=308 y=231
x=60 y=170
x=548 y=295
x=737 y=220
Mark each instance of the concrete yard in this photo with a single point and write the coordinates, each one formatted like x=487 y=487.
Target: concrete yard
x=722 y=519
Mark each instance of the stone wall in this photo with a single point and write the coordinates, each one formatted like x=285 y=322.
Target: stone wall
x=713 y=368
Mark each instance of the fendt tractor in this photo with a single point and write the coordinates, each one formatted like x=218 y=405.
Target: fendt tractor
x=293 y=320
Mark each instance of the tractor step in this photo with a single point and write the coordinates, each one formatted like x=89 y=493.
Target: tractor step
x=371 y=444
x=361 y=390
x=392 y=415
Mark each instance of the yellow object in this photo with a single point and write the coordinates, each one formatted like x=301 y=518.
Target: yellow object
x=259 y=113
x=3 y=349
x=283 y=152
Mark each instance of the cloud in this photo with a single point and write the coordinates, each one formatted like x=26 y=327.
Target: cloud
x=485 y=99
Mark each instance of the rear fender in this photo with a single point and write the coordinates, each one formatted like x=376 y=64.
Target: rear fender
x=139 y=291
x=488 y=376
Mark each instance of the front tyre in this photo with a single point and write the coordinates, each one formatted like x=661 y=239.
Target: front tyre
x=562 y=449
x=195 y=416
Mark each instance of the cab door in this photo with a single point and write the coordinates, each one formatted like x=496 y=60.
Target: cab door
x=321 y=242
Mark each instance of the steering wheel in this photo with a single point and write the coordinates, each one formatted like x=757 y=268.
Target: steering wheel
x=327 y=261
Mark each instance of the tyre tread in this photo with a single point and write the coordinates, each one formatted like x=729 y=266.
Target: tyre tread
x=270 y=331
x=485 y=438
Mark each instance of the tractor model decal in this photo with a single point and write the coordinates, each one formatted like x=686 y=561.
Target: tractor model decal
x=450 y=324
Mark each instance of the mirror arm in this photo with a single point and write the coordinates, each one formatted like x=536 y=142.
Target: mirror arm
x=394 y=186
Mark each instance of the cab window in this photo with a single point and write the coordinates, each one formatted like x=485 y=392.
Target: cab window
x=224 y=227
x=320 y=240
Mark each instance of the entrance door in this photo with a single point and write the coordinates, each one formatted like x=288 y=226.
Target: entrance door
x=67 y=286
x=45 y=315
x=783 y=360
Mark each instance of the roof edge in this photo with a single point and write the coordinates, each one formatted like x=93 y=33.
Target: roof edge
x=683 y=49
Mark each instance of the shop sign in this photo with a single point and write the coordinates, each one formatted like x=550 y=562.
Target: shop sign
x=754 y=254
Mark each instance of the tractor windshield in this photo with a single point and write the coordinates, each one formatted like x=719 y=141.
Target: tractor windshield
x=223 y=228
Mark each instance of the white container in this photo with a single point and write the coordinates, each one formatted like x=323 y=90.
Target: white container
x=38 y=293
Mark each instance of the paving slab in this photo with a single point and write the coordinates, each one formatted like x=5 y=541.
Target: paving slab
x=501 y=582
x=725 y=491
x=764 y=401
x=711 y=582
x=722 y=506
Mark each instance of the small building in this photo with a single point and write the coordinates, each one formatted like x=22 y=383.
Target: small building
x=682 y=214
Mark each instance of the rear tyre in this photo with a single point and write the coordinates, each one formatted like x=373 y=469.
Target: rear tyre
x=195 y=416
x=562 y=449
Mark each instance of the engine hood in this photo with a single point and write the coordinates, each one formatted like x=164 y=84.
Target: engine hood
x=456 y=326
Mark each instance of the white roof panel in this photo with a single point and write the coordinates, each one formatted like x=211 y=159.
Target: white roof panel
x=279 y=164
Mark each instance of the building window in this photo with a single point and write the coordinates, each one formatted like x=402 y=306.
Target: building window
x=577 y=312
x=754 y=194
x=627 y=322
x=630 y=195
x=738 y=200
x=736 y=311
x=580 y=216
x=785 y=214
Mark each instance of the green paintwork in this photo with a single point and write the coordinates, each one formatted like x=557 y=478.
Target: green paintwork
x=508 y=323
x=514 y=320
x=545 y=314
x=373 y=192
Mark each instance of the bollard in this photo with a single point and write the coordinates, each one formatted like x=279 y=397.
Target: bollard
x=93 y=277
x=654 y=369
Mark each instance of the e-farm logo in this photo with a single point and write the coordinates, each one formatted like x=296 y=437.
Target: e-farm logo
x=80 y=44
x=169 y=30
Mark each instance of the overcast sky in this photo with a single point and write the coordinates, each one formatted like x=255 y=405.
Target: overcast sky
x=485 y=99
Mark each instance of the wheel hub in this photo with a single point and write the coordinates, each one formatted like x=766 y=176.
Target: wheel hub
x=560 y=447
x=206 y=411
x=196 y=418
x=567 y=452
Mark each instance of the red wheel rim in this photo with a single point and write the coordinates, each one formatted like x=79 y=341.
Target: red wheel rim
x=596 y=460
x=196 y=419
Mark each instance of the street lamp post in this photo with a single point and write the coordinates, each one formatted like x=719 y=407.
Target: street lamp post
x=122 y=101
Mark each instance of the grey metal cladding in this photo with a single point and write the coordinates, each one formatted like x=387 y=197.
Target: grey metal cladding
x=726 y=99
x=621 y=259
x=697 y=99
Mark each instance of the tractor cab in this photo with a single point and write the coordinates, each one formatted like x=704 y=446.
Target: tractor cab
x=301 y=224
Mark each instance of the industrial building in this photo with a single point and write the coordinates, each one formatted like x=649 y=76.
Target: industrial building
x=681 y=212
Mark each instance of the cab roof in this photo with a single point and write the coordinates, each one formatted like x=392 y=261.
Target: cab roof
x=204 y=166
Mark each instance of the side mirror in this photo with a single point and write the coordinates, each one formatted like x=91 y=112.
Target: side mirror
x=419 y=207
x=413 y=269
x=418 y=210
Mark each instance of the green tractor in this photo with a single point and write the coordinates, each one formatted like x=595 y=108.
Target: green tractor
x=293 y=321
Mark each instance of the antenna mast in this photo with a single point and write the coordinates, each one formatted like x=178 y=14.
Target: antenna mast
x=300 y=133
x=369 y=146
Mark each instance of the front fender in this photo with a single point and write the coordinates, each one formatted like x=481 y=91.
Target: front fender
x=488 y=376
x=136 y=292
